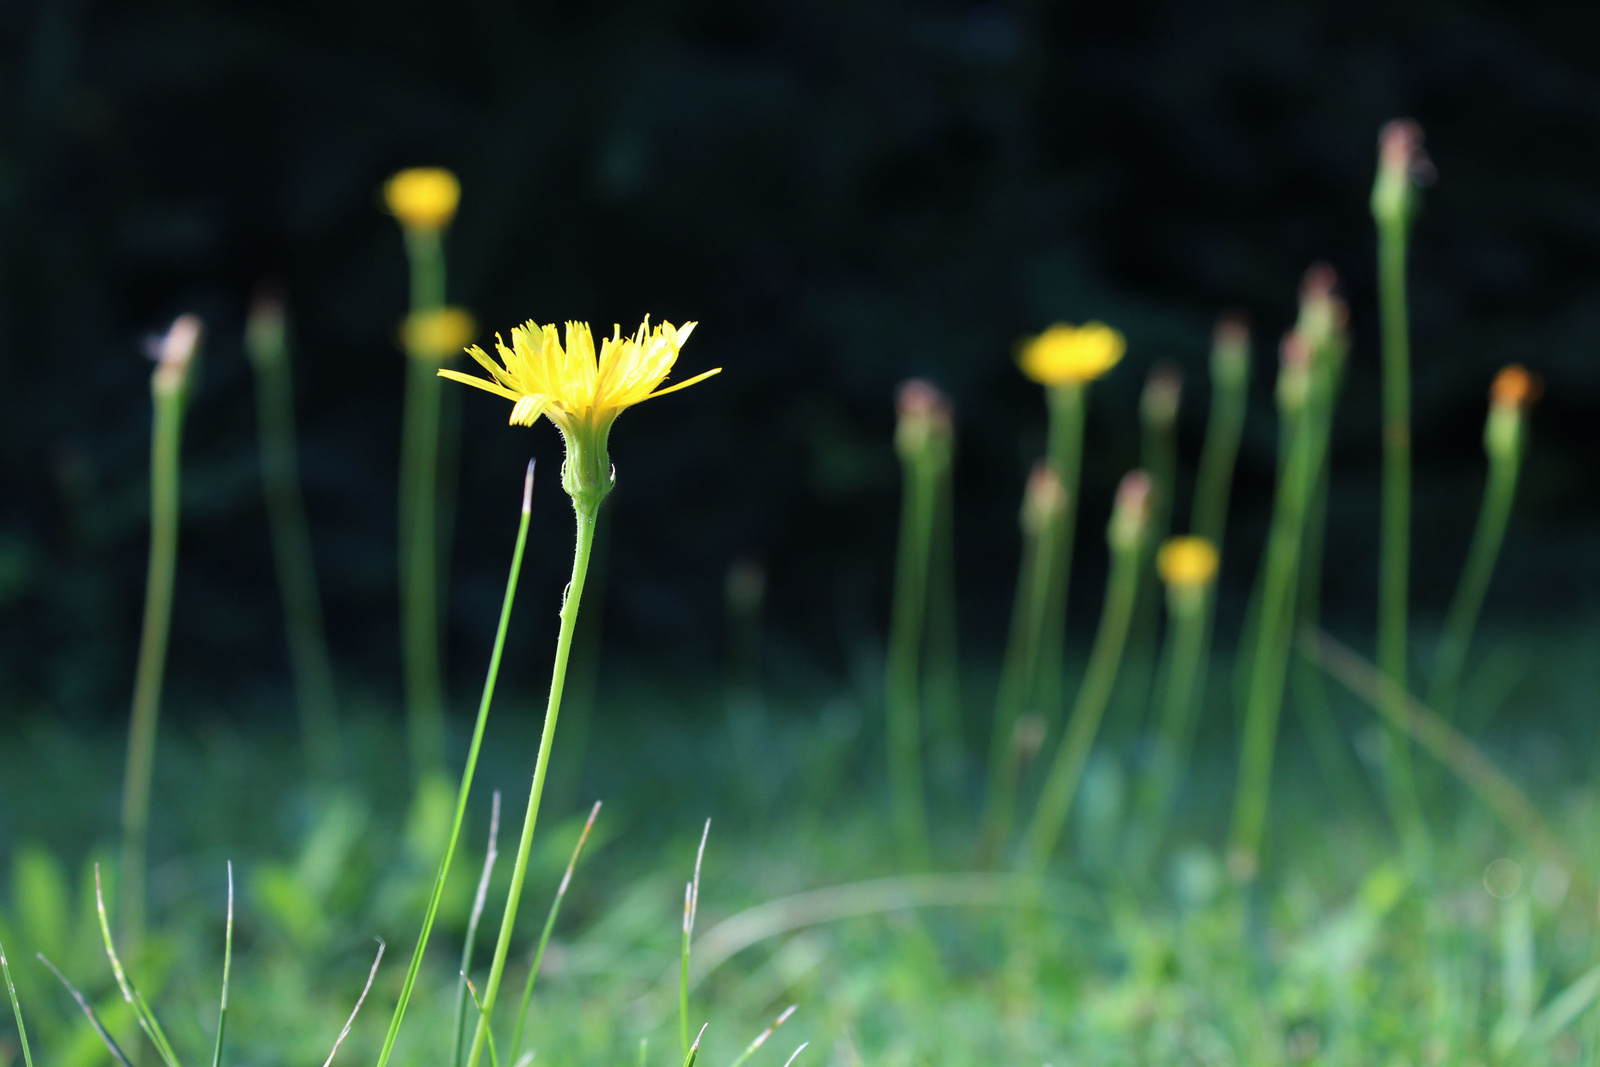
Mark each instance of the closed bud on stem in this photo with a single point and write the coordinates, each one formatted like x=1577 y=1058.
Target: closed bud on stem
x=1230 y=350
x=265 y=328
x=1403 y=165
x=1130 y=513
x=924 y=425
x=1044 y=500
x=175 y=355
x=1163 y=390
x=1514 y=390
x=1294 y=373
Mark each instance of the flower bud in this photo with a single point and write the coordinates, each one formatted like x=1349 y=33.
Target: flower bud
x=924 y=419
x=1402 y=166
x=265 y=327
x=1130 y=513
x=1230 y=350
x=1294 y=372
x=1513 y=392
x=1163 y=390
x=437 y=334
x=175 y=355
x=1187 y=565
x=423 y=198
x=1044 y=500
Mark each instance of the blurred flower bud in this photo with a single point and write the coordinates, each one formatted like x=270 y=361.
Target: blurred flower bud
x=1044 y=500
x=1513 y=392
x=1027 y=738
x=175 y=355
x=265 y=327
x=924 y=419
x=1163 y=390
x=745 y=587
x=1230 y=350
x=1402 y=166
x=437 y=334
x=1294 y=372
x=1130 y=513
x=423 y=198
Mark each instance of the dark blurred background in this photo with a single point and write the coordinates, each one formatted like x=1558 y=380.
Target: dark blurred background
x=843 y=194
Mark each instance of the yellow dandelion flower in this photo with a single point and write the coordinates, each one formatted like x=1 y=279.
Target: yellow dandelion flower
x=1187 y=562
x=423 y=198
x=578 y=390
x=437 y=333
x=1072 y=355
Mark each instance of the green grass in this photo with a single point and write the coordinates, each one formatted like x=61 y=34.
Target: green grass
x=1337 y=954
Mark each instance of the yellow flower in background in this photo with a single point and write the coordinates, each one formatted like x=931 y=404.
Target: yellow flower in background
x=437 y=333
x=1072 y=355
x=582 y=392
x=423 y=198
x=1187 y=562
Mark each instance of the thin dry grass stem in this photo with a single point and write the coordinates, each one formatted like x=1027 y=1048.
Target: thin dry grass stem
x=549 y=925
x=1446 y=744
x=494 y=1055
x=691 y=904
x=130 y=993
x=761 y=1038
x=490 y=855
x=795 y=1054
x=94 y=1020
x=362 y=999
x=16 y=1008
x=694 y=1049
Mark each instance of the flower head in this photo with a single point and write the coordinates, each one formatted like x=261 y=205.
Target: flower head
x=423 y=198
x=582 y=392
x=1515 y=387
x=1189 y=562
x=1072 y=355
x=437 y=333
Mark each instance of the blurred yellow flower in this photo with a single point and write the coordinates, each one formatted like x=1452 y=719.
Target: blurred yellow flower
x=437 y=333
x=1072 y=355
x=1187 y=562
x=423 y=198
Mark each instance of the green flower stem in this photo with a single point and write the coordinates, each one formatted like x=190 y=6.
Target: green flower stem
x=1158 y=457
x=1182 y=668
x=1020 y=666
x=1395 y=541
x=420 y=521
x=1269 y=660
x=465 y=789
x=586 y=507
x=309 y=661
x=1230 y=382
x=166 y=446
x=942 y=674
x=1055 y=800
x=906 y=626
x=1064 y=448
x=1454 y=643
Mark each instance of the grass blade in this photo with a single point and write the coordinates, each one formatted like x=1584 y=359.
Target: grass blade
x=472 y=925
x=362 y=999
x=16 y=1008
x=227 y=970
x=130 y=993
x=795 y=1054
x=761 y=1039
x=1562 y=1011
x=691 y=901
x=494 y=1057
x=694 y=1049
x=549 y=924
x=94 y=1020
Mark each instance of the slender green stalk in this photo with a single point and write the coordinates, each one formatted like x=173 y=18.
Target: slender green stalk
x=1503 y=443
x=1181 y=668
x=1230 y=381
x=1279 y=587
x=942 y=672
x=491 y=853
x=266 y=339
x=465 y=789
x=16 y=1009
x=1043 y=508
x=227 y=974
x=419 y=518
x=691 y=908
x=130 y=993
x=88 y=1010
x=1064 y=449
x=586 y=508
x=903 y=667
x=1393 y=206
x=169 y=393
x=544 y=936
x=1126 y=539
